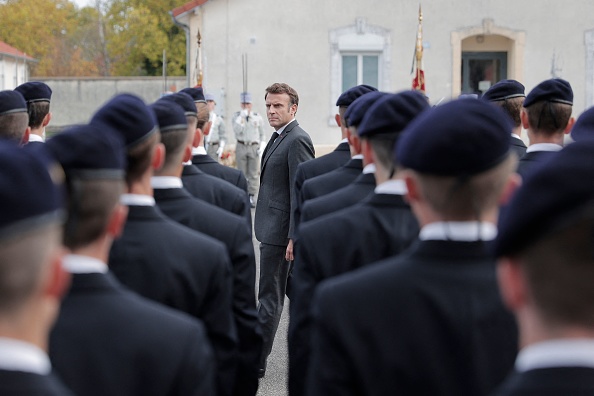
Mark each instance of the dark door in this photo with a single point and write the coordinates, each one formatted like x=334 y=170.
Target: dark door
x=482 y=66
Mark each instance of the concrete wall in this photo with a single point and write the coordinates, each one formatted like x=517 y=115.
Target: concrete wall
x=291 y=42
x=75 y=100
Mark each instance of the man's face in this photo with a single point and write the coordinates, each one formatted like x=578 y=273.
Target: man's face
x=211 y=105
x=246 y=106
x=278 y=110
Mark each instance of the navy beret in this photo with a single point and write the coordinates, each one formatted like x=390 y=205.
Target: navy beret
x=197 y=94
x=130 y=116
x=245 y=97
x=31 y=192
x=349 y=96
x=584 y=126
x=549 y=196
x=35 y=91
x=170 y=116
x=12 y=102
x=356 y=111
x=184 y=100
x=391 y=113
x=554 y=90
x=459 y=138
x=504 y=89
x=89 y=152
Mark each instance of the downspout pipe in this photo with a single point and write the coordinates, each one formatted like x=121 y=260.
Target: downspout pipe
x=187 y=30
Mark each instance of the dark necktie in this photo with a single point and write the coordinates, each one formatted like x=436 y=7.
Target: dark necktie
x=270 y=143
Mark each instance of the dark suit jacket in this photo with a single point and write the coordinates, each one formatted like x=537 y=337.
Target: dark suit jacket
x=217 y=191
x=554 y=381
x=379 y=227
x=230 y=229
x=19 y=383
x=428 y=322
x=186 y=270
x=518 y=147
x=208 y=165
x=273 y=222
x=342 y=198
x=531 y=160
x=109 y=341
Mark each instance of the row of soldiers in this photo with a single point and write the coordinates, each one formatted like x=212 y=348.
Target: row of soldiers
x=417 y=192
x=412 y=255
x=156 y=294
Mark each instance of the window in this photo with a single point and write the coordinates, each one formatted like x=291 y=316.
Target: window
x=360 y=69
x=360 y=54
x=480 y=70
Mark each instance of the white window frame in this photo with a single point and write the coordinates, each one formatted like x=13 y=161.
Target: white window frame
x=360 y=56
x=357 y=39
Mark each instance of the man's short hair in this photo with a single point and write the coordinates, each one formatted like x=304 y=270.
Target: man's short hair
x=559 y=270
x=37 y=112
x=139 y=158
x=462 y=199
x=383 y=147
x=23 y=264
x=512 y=107
x=282 y=88
x=90 y=205
x=175 y=143
x=548 y=117
x=13 y=126
x=203 y=115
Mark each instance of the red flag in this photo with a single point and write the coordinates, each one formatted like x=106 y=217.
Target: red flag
x=418 y=82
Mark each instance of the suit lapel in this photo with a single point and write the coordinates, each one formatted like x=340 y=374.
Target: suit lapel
x=278 y=141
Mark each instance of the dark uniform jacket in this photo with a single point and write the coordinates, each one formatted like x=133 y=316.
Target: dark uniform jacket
x=274 y=217
x=554 y=381
x=179 y=205
x=531 y=160
x=208 y=165
x=217 y=191
x=428 y=322
x=20 y=383
x=183 y=269
x=109 y=341
x=518 y=147
x=342 y=198
x=379 y=227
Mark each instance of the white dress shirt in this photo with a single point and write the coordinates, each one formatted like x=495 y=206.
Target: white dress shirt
x=392 y=187
x=18 y=355
x=77 y=264
x=543 y=147
x=461 y=231
x=557 y=353
x=137 y=200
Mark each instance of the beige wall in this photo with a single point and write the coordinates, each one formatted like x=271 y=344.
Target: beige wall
x=290 y=42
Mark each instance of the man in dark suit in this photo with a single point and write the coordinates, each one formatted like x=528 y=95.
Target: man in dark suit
x=103 y=328
x=288 y=147
x=547 y=118
x=202 y=160
x=32 y=280
x=38 y=96
x=429 y=321
x=159 y=258
x=181 y=206
x=509 y=95
x=363 y=184
x=380 y=227
x=545 y=270
x=340 y=156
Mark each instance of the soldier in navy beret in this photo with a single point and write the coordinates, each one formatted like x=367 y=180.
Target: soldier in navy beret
x=38 y=96
x=14 y=119
x=346 y=158
x=184 y=100
x=375 y=220
x=547 y=118
x=545 y=268
x=153 y=248
x=584 y=126
x=459 y=169
x=32 y=281
x=94 y=344
x=509 y=95
x=197 y=94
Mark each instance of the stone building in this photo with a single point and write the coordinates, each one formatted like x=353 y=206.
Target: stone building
x=14 y=67
x=323 y=47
